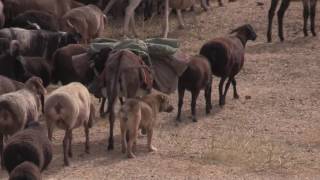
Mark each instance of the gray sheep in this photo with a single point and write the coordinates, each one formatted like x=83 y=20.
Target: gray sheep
x=19 y=106
x=69 y=107
x=8 y=85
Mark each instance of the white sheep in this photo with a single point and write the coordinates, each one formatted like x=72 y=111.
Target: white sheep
x=69 y=107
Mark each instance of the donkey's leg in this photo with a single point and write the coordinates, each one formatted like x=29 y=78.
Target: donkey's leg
x=133 y=4
x=313 y=6
x=305 y=16
x=272 y=10
x=283 y=7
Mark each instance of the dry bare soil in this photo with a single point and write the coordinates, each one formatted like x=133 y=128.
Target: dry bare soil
x=272 y=135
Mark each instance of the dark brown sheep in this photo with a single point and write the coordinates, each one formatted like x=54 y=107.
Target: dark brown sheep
x=226 y=56
x=26 y=171
x=309 y=9
x=197 y=76
x=30 y=144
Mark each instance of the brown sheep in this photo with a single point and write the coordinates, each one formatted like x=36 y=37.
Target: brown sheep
x=69 y=107
x=88 y=20
x=197 y=76
x=16 y=108
x=226 y=56
x=30 y=144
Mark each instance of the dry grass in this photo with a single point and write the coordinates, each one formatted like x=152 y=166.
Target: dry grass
x=272 y=135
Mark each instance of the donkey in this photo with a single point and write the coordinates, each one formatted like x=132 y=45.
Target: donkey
x=124 y=75
x=309 y=9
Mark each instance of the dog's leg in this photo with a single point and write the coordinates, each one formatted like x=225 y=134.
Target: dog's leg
x=132 y=138
x=149 y=134
x=123 y=137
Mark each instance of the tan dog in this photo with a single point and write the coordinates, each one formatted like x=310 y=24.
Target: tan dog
x=141 y=113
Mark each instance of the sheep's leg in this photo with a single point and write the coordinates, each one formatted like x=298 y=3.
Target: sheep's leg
x=226 y=90
x=123 y=137
x=207 y=95
x=180 y=102
x=219 y=1
x=1 y=150
x=221 y=99
x=194 y=98
x=180 y=19
x=234 y=84
x=87 y=144
x=70 y=144
x=166 y=19
x=204 y=5
x=149 y=136
x=133 y=4
x=313 y=4
x=66 y=148
x=109 y=6
x=272 y=10
x=50 y=131
x=132 y=138
x=305 y=17
x=283 y=7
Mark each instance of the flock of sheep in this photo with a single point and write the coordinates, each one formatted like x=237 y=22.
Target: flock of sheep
x=34 y=53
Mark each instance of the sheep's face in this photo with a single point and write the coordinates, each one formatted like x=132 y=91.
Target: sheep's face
x=251 y=34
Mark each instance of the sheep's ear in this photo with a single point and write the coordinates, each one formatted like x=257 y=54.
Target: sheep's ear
x=14 y=48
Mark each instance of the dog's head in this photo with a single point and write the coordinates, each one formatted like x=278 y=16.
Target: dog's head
x=165 y=105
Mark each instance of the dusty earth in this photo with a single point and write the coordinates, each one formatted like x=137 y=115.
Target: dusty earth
x=274 y=133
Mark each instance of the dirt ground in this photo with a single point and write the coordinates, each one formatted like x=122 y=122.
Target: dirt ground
x=272 y=135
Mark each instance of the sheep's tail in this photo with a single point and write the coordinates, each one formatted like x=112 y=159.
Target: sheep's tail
x=57 y=108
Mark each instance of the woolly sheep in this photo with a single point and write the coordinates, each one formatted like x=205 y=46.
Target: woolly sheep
x=69 y=107
x=19 y=106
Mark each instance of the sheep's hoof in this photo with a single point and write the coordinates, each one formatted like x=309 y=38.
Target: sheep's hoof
x=194 y=119
x=70 y=154
x=222 y=102
x=110 y=147
x=181 y=26
x=103 y=114
x=152 y=149
x=123 y=150
x=314 y=33
x=178 y=119
x=87 y=150
x=236 y=96
x=66 y=163
x=131 y=155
